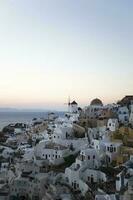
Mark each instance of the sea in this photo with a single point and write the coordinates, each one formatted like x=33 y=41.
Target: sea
x=24 y=117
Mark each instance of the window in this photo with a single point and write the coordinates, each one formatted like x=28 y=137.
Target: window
x=67 y=180
x=126 y=119
x=82 y=157
x=111 y=149
x=94 y=157
x=88 y=157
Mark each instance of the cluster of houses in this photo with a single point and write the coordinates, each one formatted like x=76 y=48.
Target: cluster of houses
x=87 y=154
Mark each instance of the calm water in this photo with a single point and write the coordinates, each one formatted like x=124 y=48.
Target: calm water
x=12 y=117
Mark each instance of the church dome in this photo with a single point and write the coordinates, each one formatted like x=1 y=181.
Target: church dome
x=96 y=102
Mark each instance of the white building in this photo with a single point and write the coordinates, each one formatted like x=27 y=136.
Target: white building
x=121 y=181
x=129 y=193
x=28 y=154
x=52 y=116
x=6 y=175
x=89 y=157
x=97 y=133
x=28 y=186
x=96 y=144
x=83 y=171
x=7 y=152
x=19 y=131
x=77 y=143
x=78 y=177
x=123 y=114
x=131 y=116
x=41 y=136
x=57 y=134
x=63 y=134
x=72 y=175
x=23 y=148
x=112 y=124
x=94 y=176
x=106 y=197
x=4 y=167
x=12 y=141
x=63 y=131
x=51 y=152
x=111 y=149
x=26 y=166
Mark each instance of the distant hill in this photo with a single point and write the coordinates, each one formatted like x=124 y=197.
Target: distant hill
x=26 y=110
x=8 y=110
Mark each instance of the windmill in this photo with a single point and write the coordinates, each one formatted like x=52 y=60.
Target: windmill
x=68 y=103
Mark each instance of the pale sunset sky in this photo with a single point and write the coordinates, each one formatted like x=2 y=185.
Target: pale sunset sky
x=52 y=49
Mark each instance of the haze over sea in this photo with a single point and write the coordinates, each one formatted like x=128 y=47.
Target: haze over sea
x=21 y=116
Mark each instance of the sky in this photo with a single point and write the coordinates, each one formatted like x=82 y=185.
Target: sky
x=52 y=49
